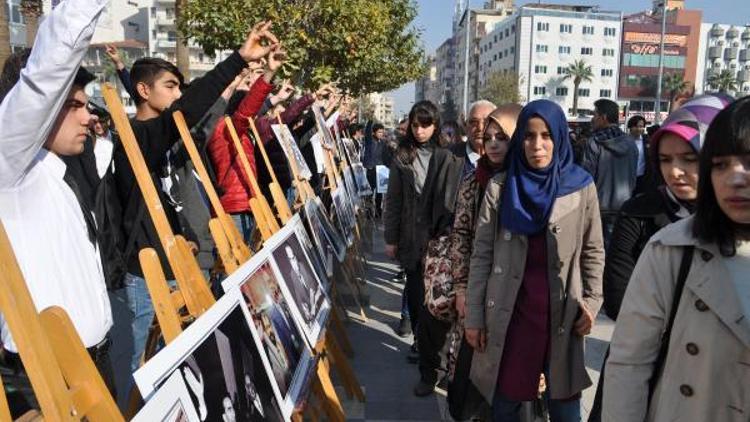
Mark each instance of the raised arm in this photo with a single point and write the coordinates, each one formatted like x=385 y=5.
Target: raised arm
x=31 y=107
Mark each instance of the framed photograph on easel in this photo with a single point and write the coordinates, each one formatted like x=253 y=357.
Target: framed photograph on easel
x=171 y=403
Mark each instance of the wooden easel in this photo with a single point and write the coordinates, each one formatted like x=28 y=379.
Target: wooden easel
x=66 y=382
x=264 y=217
x=279 y=199
x=237 y=251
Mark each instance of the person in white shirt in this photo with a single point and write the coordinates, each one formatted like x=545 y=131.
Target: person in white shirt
x=637 y=129
x=104 y=142
x=42 y=118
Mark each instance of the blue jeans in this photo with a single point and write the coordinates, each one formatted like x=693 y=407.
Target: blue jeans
x=404 y=305
x=291 y=196
x=506 y=410
x=245 y=224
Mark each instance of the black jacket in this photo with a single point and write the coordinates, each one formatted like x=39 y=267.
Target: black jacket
x=155 y=137
x=639 y=219
x=612 y=159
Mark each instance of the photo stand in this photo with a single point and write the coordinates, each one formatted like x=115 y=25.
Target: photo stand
x=279 y=199
x=65 y=380
x=302 y=185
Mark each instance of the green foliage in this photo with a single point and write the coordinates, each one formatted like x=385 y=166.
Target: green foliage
x=674 y=84
x=502 y=88
x=364 y=45
x=579 y=72
x=723 y=81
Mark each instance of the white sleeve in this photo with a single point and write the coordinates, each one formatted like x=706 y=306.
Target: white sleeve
x=29 y=110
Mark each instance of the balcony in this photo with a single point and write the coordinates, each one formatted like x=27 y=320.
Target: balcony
x=714 y=52
x=165 y=43
x=743 y=76
x=165 y=20
x=733 y=33
x=717 y=31
x=744 y=55
x=730 y=53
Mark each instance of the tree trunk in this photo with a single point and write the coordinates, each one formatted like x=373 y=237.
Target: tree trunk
x=182 y=50
x=575 y=99
x=4 y=36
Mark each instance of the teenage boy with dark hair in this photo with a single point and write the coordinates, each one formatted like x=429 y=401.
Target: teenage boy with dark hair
x=157 y=84
x=44 y=118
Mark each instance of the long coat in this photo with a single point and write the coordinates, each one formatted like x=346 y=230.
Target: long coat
x=575 y=262
x=706 y=376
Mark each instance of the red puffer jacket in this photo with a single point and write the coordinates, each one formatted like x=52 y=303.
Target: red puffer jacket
x=230 y=174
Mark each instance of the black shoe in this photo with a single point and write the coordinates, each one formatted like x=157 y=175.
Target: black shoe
x=443 y=384
x=400 y=277
x=424 y=389
x=413 y=356
x=404 y=327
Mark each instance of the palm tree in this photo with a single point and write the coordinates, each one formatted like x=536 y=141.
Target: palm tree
x=674 y=84
x=579 y=71
x=31 y=11
x=723 y=81
x=182 y=50
x=4 y=36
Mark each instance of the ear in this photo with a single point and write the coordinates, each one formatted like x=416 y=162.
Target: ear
x=143 y=90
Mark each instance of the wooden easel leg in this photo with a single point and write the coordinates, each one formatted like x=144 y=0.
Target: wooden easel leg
x=344 y=369
x=323 y=387
x=354 y=289
x=4 y=408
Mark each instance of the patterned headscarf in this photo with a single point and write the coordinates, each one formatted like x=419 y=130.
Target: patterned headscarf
x=691 y=121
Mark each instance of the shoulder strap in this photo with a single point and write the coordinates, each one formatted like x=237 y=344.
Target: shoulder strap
x=687 y=260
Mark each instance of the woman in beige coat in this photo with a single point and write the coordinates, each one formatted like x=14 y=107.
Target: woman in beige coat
x=693 y=276
x=536 y=270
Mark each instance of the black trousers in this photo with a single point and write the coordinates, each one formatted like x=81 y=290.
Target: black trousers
x=432 y=334
x=414 y=296
x=596 y=408
x=18 y=387
x=372 y=178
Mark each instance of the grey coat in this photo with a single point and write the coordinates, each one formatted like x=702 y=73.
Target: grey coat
x=575 y=255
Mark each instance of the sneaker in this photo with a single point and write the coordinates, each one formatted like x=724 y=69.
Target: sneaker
x=423 y=388
x=404 y=327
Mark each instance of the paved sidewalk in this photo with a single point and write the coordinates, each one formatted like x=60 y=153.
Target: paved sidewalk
x=380 y=354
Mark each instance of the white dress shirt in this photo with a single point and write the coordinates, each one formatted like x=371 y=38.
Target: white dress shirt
x=472 y=156
x=103 y=148
x=40 y=212
x=641 y=157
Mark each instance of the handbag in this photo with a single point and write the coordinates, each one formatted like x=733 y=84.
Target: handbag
x=440 y=298
x=661 y=359
x=464 y=400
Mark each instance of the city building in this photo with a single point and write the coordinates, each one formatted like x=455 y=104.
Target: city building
x=426 y=87
x=639 y=70
x=539 y=41
x=383 y=109
x=472 y=27
x=445 y=69
x=16 y=25
x=724 y=48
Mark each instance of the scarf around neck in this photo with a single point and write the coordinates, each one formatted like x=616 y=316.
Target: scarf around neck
x=485 y=171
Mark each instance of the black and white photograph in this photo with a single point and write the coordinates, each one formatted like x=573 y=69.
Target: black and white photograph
x=307 y=291
x=218 y=358
x=382 y=173
x=323 y=229
x=351 y=151
x=327 y=137
x=360 y=176
x=171 y=403
x=351 y=186
x=319 y=260
x=291 y=149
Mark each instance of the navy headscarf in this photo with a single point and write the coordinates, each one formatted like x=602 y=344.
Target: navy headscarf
x=529 y=194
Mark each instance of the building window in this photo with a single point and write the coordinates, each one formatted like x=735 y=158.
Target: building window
x=540 y=69
x=564 y=49
x=605 y=93
x=506 y=52
x=587 y=51
x=15 y=15
x=540 y=90
x=560 y=70
x=494 y=57
x=607 y=72
x=500 y=56
x=495 y=37
x=631 y=80
x=507 y=32
x=512 y=49
x=561 y=91
x=172 y=36
x=584 y=92
x=610 y=32
x=541 y=48
x=608 y=52
x=542 y=26
x=513 y=28
x=588 y=30
x=652 y=60
x=566 y=28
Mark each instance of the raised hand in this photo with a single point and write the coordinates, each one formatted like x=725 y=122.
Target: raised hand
x=259 y=42
x=286 y=91
x=114 y=55
x=276 y=58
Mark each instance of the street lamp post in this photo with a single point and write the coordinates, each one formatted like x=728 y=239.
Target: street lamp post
x=467 y=27
x=657 y=104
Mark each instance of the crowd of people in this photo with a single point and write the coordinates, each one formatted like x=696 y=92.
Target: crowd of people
x=511 y=243
x=511 y=235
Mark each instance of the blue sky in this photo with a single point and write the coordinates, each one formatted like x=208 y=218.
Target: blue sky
x=435 y=17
